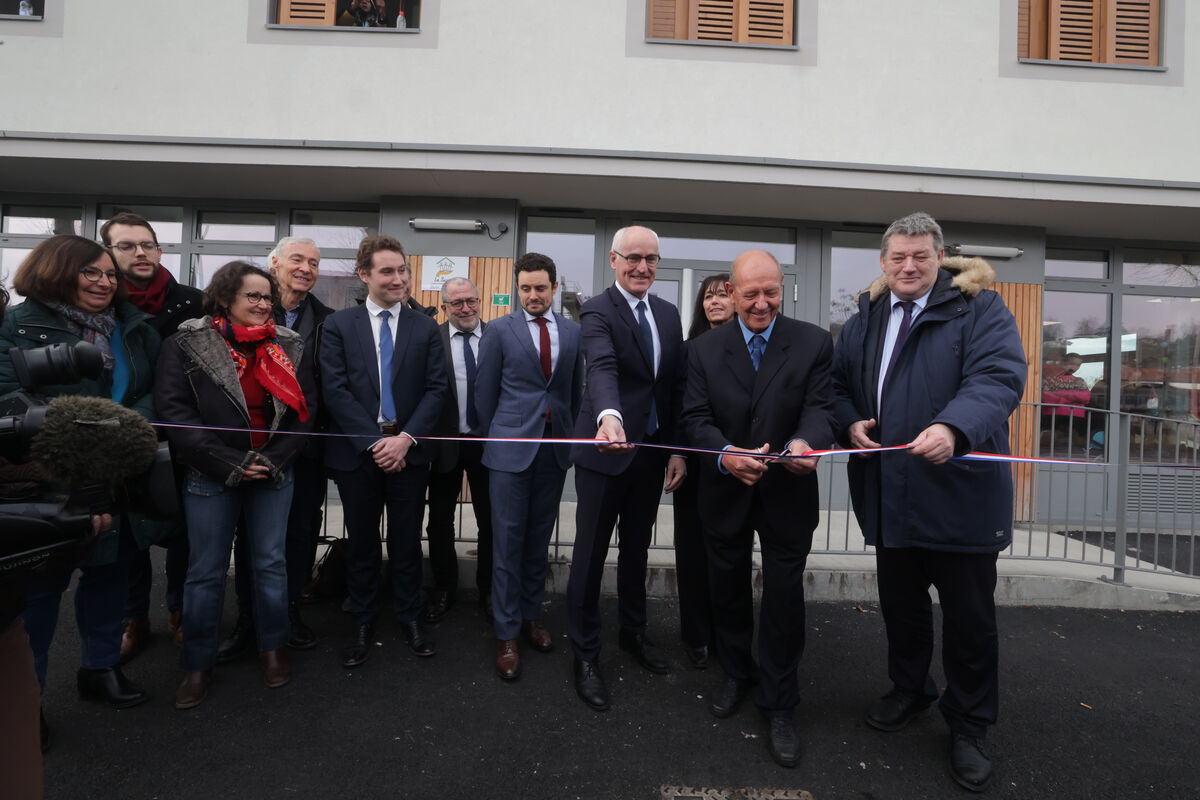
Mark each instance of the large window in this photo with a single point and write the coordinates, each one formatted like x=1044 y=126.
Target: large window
x=753 y=22
x=854 y=265
x=27 y=9
x=571 y=242
x=402 y=15
x=1075 y=380
x=1116 y=32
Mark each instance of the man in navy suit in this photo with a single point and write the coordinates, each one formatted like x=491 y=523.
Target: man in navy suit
x=761 y=385
x=529 y=387
x=379 y=461
x=633 y=344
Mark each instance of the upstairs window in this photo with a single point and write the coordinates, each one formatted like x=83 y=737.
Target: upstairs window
x=347 y=14
x=1118 y=32
x=753 y=22
x=22 y=9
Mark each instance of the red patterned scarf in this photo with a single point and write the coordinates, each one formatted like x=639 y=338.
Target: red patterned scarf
x=272 y=368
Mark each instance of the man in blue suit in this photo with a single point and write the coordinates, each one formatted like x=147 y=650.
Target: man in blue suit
x=379 y=460
x=529 y=386
x=633 y=344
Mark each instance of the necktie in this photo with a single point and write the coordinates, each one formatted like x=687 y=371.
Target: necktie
x=544 y=352
x=757 y=345
x=648 y=340
x=901 y=335
x=469 y=362
x=387 y=405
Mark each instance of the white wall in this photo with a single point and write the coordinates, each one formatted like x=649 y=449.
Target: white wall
x=901 y=82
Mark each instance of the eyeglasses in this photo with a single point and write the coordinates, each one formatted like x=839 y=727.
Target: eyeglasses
x=256 y=297
x=637 y=258
x=129 y=247
x=463 y=303
x=94 y=274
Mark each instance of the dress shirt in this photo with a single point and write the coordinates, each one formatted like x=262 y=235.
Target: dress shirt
x=460 y=368
x=893 y=330
x=373 y=310
x=746 y=334
x=535 y=333
x=633 y=301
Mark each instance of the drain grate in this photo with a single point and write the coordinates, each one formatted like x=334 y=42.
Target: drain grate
x=701 y=793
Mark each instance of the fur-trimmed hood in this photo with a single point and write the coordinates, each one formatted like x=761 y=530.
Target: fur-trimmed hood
x=971 y=275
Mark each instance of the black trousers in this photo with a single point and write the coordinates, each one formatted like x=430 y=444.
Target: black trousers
x=781 y=620
x=628 y=501
x=966 y=584
x=444 y=488
x=691 y=563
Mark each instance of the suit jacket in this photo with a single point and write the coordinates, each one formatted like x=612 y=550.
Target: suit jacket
x=350 y=381
x=511 y=391
x=447 y=424
x=620 y=375
x=728 y=403
x=308 y=324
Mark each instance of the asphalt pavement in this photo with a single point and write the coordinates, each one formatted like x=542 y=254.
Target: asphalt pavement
x=1094 y=704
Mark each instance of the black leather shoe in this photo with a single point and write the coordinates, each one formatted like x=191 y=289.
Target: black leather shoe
x=440 y=601
x=44 y=730
x=414 y=636
x=109 y=686
x=726 y=698
x=969 y=765
x=783 y=743
x=302 y=637
x=896 y=709
x=697 y=656
x=359 y=648
x=239 y=641
x=645 y=651
x=589 y=684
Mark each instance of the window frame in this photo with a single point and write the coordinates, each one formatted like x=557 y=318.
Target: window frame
x=1027 y=9
x=795 y=44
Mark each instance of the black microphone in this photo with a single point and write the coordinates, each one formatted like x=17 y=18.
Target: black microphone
x=93 y=439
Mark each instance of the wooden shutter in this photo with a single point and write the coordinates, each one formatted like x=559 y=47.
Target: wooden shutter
x=307 y=12
x=765 y=21
x=667 y=19
x=712 y=20
x=1074 y=30
x=1032 y=18
x=1024 y=300
x=1131 y=32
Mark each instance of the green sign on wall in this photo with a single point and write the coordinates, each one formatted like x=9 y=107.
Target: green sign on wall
x=501 y=300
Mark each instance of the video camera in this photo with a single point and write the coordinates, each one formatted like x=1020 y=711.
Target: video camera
x=70 y=458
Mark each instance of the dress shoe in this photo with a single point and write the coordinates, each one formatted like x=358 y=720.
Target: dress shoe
x=439 y=602
x=697 y=656
x=415 y=637
x=192 y=690
x=302 y=637
x=177 y=626
x=508 y=659
x=537 y=635
x=359 y=648
x=134 y=637
x=783 y=742
x=645 y=651
x=969 y=765
x=275 y=668
x=109 y=686
x=239 y=641
x=589 y=684
x=44 y=730
x=726 y=698
x=896 y=709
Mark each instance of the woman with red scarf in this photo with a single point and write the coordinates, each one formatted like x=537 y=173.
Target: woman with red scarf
x=233 y=369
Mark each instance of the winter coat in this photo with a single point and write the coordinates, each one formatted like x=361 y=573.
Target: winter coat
x=181 y=302
x=962 y=365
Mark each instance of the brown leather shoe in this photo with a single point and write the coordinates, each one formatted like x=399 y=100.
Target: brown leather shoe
x=508 y=660
x=134 y=637
x=177 y=626
x=275 y=668
x=537 y=635
x=193 y=690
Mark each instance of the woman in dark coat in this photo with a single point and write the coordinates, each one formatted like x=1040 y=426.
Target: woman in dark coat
x=233 y=368
x=74 y=292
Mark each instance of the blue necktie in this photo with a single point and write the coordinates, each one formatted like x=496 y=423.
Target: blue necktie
x=901 y=335
x=387 y=405
x=757 y=345
x=648 y=340
x=469 y=362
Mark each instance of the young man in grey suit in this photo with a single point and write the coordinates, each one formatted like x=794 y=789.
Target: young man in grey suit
x=529 y=386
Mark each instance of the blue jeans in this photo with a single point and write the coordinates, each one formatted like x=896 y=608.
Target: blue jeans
x=99 y=603
x=213 y=510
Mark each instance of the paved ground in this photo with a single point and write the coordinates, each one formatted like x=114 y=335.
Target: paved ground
x=1095 y=704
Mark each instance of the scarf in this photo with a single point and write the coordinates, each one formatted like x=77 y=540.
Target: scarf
x=92 y=327
x=272 y=368
x=154 y=296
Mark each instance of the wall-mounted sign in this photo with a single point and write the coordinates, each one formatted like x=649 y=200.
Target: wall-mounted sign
x=436 y=270
x=501 y=300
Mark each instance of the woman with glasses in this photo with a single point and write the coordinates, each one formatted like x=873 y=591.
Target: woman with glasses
x=233 y=369
x=74 y=292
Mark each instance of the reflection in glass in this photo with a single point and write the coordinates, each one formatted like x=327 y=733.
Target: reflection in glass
x=1076 y=264
x=206 y=265
x=1163 y=268
x=693 y=241
x=1075 y=360
x=571 y=243
x=43 y=220
x=10 y=259
x=854 y=264
x=1160 y=376
x=236 y=226
x=337 y=285
x=338 y=229
x=167 y=221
